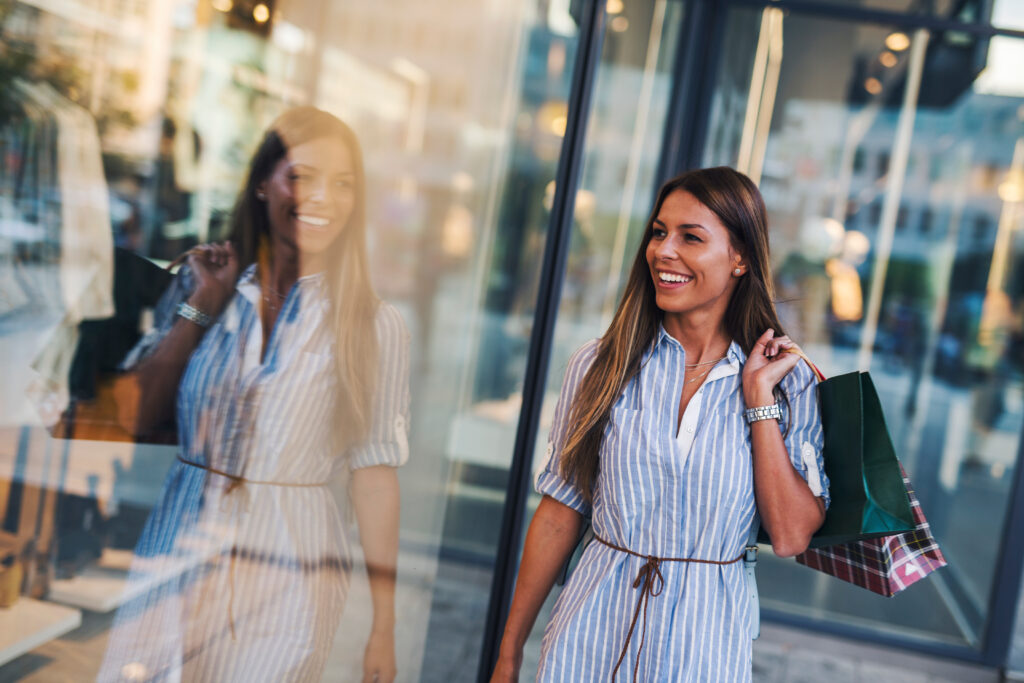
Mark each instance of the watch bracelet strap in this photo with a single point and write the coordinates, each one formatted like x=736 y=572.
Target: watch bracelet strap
x=768 y=412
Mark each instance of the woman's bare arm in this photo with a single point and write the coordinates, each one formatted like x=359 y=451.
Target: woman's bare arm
x=553 y=533
x=375 y=497
x=215 y=267
x=790 y=512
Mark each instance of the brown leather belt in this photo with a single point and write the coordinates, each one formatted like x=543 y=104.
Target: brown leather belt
x=237 y=480
x=645 y=579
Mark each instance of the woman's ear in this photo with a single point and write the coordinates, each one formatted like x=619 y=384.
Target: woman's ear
x=739 y=266
x=261 y=191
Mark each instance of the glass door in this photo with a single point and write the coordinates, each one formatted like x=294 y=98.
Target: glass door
x=892 y=164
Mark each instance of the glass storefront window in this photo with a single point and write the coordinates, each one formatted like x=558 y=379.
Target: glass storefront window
x=891 y=160
x=618 y=183
x=892 y=191
x=127 y=130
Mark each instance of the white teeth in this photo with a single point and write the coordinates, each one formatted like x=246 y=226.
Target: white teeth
x=313 y=220
x=672 y=277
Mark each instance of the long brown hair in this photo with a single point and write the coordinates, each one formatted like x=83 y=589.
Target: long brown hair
x=353 y=302
x=736 y=201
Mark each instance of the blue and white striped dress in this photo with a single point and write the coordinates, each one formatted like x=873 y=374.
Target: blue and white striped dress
x=658 y=493
x=259 y=574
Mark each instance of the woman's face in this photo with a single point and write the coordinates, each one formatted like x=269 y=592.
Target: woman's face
x=691 y=258
x=311 y=194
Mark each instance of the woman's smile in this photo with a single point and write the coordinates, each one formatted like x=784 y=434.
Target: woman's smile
x=311 y=221
x=669 y=280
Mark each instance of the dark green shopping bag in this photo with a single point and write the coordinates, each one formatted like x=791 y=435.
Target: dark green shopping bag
x=869 y=497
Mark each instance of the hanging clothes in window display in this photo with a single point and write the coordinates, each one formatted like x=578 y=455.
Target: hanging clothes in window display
x=86 y=241
x=30 y=210
x=86 y=264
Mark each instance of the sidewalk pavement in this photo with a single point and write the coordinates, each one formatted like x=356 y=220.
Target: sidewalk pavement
x=789 y=655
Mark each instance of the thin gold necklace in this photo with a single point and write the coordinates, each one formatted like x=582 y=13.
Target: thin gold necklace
x=698 y=377
x=707 y=362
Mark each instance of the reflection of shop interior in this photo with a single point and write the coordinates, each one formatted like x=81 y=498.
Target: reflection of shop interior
x=69 y=525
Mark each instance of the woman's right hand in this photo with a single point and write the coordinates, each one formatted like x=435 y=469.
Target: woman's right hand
x=507 y=668
x=215 y=267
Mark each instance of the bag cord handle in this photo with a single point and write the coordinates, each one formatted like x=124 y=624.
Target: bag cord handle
x=818 y=373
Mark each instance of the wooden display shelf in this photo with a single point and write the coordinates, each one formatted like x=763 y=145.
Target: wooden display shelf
x=29 y=623
x=104 y=586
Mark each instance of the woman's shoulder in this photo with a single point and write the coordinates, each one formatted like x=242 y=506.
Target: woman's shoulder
x=390 y=324
x=581 y=360
x=799 y=378
x=584 y=356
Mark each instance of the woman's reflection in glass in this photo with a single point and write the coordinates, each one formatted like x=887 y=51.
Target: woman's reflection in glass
x=283 y=371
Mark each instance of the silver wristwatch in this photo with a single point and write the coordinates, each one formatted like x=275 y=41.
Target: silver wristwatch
x=772 y=412
x=189 y=312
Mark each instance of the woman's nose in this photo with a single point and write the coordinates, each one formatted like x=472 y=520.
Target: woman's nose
x=318 y=191
x=666 y=248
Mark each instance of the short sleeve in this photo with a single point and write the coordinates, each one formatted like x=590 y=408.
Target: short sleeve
x=804 y=436
x=388 y=439
x=548 y=479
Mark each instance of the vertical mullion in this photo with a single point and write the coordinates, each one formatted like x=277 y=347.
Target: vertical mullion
x=552 y=273
x=1006 y=588
x=693 y=81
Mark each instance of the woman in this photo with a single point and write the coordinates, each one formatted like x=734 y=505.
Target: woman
x=282 y=370
x=650 y=439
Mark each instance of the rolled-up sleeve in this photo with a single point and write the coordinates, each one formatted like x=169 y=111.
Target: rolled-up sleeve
x=803 y=432
x=548 y=479
x=388 y=439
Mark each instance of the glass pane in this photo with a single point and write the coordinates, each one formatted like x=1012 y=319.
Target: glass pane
x=127 y=131
x=971 y=11
x=623 y=147
x=893 y=181
x=1008 y=14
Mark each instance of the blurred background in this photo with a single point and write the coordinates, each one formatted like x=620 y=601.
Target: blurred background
x=513 y=149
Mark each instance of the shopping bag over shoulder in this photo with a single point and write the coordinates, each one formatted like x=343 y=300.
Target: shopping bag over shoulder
x=866 y=481
x=868 y=498
x=875 y=534
x=886 y=564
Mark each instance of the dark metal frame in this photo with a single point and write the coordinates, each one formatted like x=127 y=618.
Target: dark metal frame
x=556 y=250
x=694 y=75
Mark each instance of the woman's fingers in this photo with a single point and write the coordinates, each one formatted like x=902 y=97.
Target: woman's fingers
x=778 y=344
x=763 y=341
x=210 y=254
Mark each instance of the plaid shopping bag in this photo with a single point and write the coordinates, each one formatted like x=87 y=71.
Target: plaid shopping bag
x=885 y=565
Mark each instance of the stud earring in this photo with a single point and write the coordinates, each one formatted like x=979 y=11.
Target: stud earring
x=738 y=271
x=261 y=196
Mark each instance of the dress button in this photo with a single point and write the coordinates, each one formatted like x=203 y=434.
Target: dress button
x=690 y=429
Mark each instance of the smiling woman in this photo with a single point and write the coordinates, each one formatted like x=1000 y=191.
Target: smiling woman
x=282 y=371
x=654 y=440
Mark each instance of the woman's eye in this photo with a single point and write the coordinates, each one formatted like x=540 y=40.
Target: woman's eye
x=658 y=232
x=693 y=238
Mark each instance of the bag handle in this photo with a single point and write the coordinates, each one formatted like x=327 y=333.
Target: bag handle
x=817 y=373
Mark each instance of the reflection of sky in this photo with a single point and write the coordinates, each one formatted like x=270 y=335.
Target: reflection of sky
x=1002 y=75
x=1008 y=14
